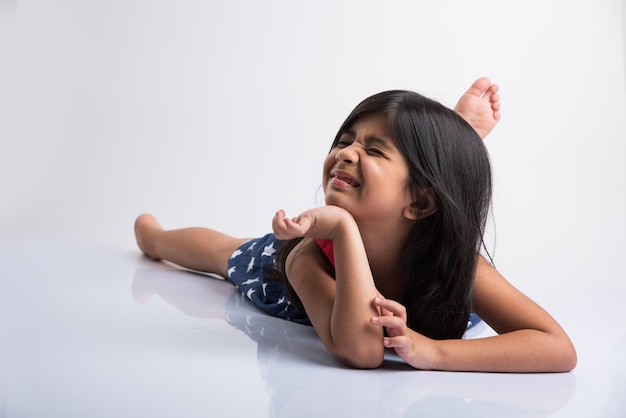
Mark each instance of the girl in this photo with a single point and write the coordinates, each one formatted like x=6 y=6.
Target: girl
x=392 y=260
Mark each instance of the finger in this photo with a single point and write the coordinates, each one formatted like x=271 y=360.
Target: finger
x=395 y=308
x=301 y=224
x=390 y=322
x=386 y=312
x=275 y=224
x=400 y=343
x=293 y=226
x=294 y=229
x=278 y=217
x=280 y=227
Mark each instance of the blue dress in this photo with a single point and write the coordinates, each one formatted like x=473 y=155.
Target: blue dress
x=248 y=269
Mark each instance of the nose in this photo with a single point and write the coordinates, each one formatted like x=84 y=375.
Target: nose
x=347 y=155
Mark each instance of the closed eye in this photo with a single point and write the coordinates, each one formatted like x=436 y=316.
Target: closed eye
x=375 y=152
x=342 y=143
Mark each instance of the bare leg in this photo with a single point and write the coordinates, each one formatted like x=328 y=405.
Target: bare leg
x=198 y=249
x=480 y=106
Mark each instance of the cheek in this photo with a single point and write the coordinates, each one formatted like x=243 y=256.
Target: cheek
x=399 y=187
x=329 y=162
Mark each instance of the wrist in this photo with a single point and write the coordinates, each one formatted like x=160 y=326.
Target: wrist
x=436 y=356
x=345 y=225
x=426 y=354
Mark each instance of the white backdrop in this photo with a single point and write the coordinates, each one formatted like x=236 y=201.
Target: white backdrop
x=219 y=113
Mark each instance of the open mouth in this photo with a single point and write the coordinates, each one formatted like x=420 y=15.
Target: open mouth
x=344 y=179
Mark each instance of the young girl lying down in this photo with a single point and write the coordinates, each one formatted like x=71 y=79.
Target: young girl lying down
x=392 y=260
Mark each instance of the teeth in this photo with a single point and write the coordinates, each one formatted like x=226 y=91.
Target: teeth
x=346 y=179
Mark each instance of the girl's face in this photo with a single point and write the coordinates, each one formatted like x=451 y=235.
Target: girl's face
x=366 y=174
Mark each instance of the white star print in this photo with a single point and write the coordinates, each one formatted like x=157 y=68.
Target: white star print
x=236 y=253
x=231 y=271
x=250 y=292
x=250 y=281
x=252 y=246
x=250 y=264
x=268 y=250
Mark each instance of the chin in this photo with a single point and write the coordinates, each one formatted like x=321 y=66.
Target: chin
x=334 y=202
x=340 y=203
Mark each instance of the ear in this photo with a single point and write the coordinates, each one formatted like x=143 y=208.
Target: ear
x=424 y=206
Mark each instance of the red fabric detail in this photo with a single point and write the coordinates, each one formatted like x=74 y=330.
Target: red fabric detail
x=327 y=246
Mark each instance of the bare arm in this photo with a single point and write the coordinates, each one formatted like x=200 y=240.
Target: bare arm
x=339 y=308
x=529 y=339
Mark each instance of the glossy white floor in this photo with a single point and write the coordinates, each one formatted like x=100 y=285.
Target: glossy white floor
x=112 y=108
x=90 y=331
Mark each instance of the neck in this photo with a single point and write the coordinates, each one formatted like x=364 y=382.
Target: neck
x=385 y=253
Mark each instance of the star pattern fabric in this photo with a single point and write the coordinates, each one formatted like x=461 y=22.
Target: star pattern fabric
x=248 y=268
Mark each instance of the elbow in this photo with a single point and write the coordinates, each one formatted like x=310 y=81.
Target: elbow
x=570 y=359
x=362 y=362
x=362 y=357
x=564 y=358
x=362 y=349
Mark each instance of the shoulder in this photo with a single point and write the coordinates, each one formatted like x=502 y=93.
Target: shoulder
x=489 y=284
x=484 y=269
x=308 y=252
x=308 y=256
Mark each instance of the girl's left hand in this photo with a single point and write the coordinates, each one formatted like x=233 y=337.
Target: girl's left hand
x=414 y=348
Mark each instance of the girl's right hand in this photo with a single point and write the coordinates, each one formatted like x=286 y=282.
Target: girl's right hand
x=322 y=222
x=414 y=348
x=285 y=228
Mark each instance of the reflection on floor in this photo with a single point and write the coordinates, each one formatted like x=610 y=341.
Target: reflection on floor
x=300 y=374
x=91 y=332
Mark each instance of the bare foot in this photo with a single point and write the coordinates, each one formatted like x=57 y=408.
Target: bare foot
x=145 y=226
x=480 y=106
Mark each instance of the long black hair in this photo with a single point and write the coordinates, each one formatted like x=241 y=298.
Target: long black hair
x=448 y=160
